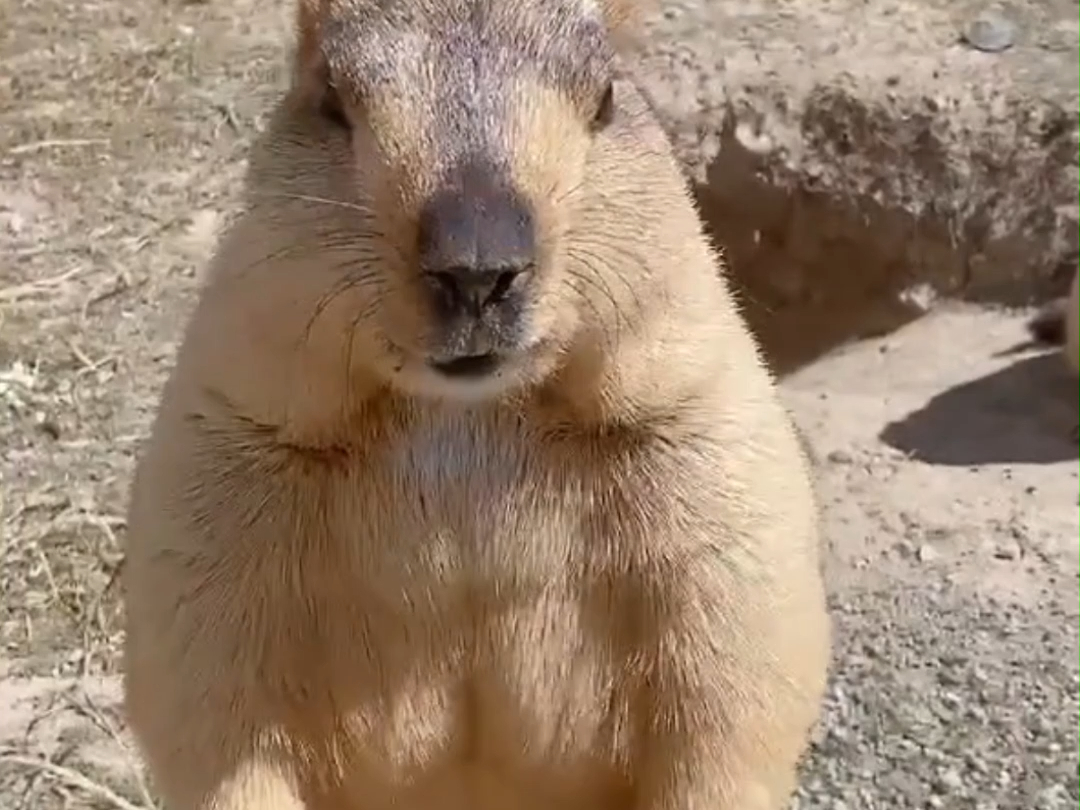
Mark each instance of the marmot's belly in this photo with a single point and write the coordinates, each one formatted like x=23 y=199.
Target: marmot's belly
x=547 y=735
x=517 y=709
x=458 y=785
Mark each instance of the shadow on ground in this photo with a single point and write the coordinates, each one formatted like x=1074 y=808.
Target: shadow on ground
x=1024 y=413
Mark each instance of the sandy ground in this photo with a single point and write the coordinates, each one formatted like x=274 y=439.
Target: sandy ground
x=945 y=468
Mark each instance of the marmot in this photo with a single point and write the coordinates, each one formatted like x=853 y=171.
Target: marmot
x=469 y=489
x=1056 y=323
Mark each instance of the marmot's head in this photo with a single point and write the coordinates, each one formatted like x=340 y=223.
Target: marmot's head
x=443 y=151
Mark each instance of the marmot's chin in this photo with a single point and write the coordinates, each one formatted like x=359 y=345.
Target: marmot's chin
x=468 y=380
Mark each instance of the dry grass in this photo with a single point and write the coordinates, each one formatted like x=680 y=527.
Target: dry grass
x=122 y=134
x=88 y=751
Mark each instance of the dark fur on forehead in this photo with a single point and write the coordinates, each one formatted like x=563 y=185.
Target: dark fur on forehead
x=617 y=13
x=558 y=41
x=561 y=36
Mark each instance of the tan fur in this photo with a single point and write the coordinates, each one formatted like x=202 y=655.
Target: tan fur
x=591 y=584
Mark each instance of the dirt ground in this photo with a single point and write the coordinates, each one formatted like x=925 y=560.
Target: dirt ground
x=945 y=468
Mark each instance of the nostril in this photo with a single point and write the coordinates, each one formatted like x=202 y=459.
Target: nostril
x=473 y=290
x=503 y=282
x=476 y=237
x=445 y=283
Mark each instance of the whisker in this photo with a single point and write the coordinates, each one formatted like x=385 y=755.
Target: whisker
x=338 y=288
x=579 y=246
x=316 y=199
x=610 y=343
x=598 y=281
x=611 y=330
x=363 y=314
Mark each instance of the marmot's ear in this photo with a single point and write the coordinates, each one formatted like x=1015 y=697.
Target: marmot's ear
x=626 y=18
x=309 y=22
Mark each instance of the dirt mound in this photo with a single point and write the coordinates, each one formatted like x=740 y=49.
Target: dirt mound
x=857 y=160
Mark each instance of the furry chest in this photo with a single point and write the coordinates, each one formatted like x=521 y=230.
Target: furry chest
x=478 y=617
x=469 y=494
x=489 y=511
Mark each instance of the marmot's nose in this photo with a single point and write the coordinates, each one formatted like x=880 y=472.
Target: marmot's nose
x=477 y=239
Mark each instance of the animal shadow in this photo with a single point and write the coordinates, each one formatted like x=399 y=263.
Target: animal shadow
x=1025 y=413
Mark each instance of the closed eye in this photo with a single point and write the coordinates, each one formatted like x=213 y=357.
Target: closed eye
x=605 y=110
x=332 y=110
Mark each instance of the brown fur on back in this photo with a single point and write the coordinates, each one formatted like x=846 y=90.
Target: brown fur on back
x=591 y=583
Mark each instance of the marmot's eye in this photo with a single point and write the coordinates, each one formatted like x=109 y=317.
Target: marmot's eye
x=331 y=108
x=605 y=111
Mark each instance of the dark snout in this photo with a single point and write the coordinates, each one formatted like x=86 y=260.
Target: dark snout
x=477 y=248
x=477 y=236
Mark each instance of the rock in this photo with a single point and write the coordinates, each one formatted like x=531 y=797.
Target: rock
x=948 y=781
x=990 y=32
x=840 y=457
x=927 y=553
x=1008 y=550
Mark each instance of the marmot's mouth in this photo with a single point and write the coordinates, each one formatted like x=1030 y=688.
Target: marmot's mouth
x=470 y=365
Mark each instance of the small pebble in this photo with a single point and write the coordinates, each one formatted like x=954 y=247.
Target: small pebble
x=990 y=33
x=1008 y=551
x=927 y=553
x=948 y=781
